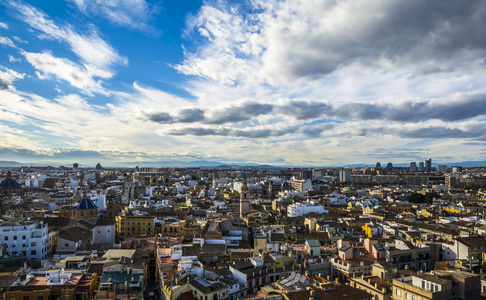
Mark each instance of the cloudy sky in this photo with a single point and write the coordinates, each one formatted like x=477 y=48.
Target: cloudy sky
x=310 y=82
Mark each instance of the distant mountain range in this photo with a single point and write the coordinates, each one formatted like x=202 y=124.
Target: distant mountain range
x=465 y=164
x=215 y=164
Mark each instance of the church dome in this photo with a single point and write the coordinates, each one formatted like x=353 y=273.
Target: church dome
x=84 y=204
x=10 y=183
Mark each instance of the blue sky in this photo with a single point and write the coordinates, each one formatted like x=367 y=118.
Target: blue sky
x=272 y=82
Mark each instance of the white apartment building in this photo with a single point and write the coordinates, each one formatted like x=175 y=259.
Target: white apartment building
x=27 y=238
x=303 y=208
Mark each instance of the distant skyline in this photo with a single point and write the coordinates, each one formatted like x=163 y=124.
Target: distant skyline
x=287 y=83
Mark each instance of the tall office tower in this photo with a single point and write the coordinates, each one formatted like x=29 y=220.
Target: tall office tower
x=389 y=166
x=378 y=165
x=442 y=168
x=456 y=169
x=428 y=165
x=421 y=166
x=75 y=166
x=344 y=175
x=413 y=167
x=244 y=199
x=307 y=174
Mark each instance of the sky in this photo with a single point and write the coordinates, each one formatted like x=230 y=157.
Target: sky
x=289 y=83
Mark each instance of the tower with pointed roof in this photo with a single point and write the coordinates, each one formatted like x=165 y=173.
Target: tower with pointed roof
x=244 y=199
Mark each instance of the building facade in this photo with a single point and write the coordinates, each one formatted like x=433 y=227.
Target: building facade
x=25 y=238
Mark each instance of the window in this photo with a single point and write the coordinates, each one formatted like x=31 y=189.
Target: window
x=66 y=245
x=33 y=244
x=25 y=298
x=23 y=237
x=398 y=292
x=15 y=237
x=6 y=238
x=407 y=296
x=33 y=252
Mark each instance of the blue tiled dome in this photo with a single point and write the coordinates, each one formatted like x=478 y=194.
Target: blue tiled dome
x=84 y=204
x=10 y=183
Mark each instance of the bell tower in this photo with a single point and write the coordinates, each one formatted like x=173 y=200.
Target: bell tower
x=244 y=199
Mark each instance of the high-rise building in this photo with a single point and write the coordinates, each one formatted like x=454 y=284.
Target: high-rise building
x=344 y=175
x=421 y=166
x=442 y=168
x=378 y=165
x=456 y=169
x=244 y=199
x=413 y=167
x=389 y=166
x=75 y=166
x=307 y=174
x=428 y=165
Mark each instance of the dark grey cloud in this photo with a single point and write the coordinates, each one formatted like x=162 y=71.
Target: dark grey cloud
x=232 y=132
x=239 y=113
x=233 y=114
x=440 y=132
x=425 y=36
x=187 y=115
x=190 y=115
x=3 y=85
x=304 y=110
x=316 y=130
x=161 y=117
x=454 y=108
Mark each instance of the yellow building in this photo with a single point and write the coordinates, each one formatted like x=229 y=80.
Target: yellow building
x=376 y=286
x=454 y=210
x=370 y=230
x=280 y=265
x=134 y=225
x=257 y=218
x=310 y=224
x=426 y=213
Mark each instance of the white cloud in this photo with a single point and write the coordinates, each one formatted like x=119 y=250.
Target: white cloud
x=7 y=42
x=13 y=59
x=287 y=41
x=81 y=77
x=278 y=81
x=134 y=14
x=90 y=48
x=8 y=76
x=20 y=40
x=3 y=25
